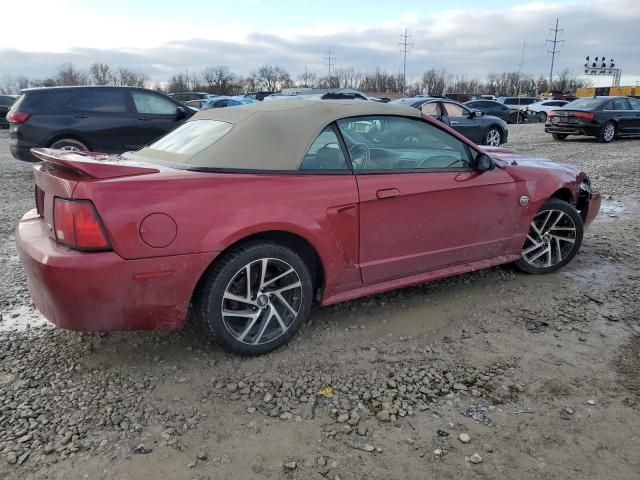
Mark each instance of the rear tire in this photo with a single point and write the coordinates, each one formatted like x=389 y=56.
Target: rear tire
x=554 y=238
x=607 y=133
x=542 y=116
x=559 y=136
x=256 y=316
x=70 y=144
x=516 y=118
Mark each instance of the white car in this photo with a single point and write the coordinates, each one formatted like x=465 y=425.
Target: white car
x=542 y=108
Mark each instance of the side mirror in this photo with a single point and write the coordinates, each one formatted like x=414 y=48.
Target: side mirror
x=477 y=113
x=181 y=113
x=484 y=163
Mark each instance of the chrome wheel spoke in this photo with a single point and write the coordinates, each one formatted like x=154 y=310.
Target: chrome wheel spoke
x=550 y=239
x=262 y=301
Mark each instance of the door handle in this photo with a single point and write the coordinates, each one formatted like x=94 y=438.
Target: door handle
x=81 y=115
x=453 y=122
x=387 y=193
x=143 y=118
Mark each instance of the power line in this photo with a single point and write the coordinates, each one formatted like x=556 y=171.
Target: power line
x=329 y=61
x=406 y=48
x=554 y=50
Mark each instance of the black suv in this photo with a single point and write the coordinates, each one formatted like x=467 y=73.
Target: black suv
x=101 y=119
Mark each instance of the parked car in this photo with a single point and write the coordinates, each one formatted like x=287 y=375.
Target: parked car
x=518 y=107
x=473 y=124
x=490 y=107
x=5 y=104
x=259 y=96
x=103 y=119
x=206 y=222
x=222 y=101
x=197 y=104
x=188 y=96
x=602 y=117
x=541 y=109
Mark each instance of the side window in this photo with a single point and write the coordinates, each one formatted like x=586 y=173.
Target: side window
x=325 y=153
x=152 y=104
x=455 y=110
x=618 y=104
x=220 y=104
x=402 y=144
x=431 y=108
x=635 y=103
x=95 y=100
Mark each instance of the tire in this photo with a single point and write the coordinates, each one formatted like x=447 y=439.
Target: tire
x=492 y=137
x=542 y=116
x=516 y=118
x=559 y=136
x=545 y=249
x=257 y=330
x=607 y=133
x=70 y=144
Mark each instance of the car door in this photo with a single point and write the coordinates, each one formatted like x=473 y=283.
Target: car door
x=461 y=120
x=635 y=109
x=422 y=206
x=156 y=116
x=620 y=111
x=103 y=118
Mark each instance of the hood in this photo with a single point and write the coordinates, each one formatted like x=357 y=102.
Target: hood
x=526 y=166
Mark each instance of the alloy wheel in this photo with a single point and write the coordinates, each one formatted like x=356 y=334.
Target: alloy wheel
x=493 y=138
x=550 y=240
x=70 y=148
x=609 y=132
x=262 y=301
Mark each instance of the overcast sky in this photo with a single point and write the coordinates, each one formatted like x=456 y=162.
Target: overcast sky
x=472 y=38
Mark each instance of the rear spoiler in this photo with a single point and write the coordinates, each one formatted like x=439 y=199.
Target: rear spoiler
x=92 y=164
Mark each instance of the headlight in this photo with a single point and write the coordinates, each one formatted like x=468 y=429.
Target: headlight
x=585 y=186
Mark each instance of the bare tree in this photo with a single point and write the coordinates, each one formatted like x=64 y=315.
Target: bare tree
x=101 y=74
x=219 y=79
x=68 y=74
x=131 y=79
x=272 y=77
x=307 y=78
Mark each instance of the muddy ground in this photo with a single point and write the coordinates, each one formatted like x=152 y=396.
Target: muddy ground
x=541 y=373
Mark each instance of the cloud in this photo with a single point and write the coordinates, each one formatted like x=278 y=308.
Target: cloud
x=471 y=42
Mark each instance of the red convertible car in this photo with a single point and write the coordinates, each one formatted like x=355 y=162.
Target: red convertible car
x=243 y=217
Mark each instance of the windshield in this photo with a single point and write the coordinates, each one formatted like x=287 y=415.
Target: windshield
x=191 y=138
x=585 y=104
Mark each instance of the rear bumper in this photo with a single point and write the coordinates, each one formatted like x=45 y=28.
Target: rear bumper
x=102 y=291
x=587 y=130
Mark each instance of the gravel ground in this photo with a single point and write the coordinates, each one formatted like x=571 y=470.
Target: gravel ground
x=493 y=374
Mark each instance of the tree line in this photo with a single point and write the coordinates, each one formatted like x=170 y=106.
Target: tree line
x=220 y=80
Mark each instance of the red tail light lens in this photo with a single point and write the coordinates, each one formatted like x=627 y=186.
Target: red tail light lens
x=552 y=114
x=77 y=225
x=18 y=117
x=585 y=115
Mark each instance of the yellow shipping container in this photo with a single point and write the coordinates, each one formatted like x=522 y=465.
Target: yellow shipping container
x=622 y=91
x=585 y=92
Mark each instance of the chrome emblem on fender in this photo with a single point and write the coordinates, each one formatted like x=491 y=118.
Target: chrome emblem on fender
x=524 y=200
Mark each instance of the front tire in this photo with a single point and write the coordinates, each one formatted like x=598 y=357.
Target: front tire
x=70 y=144
x=493 y=137
x=559 y=136
x=542 y=116
x=256 y=297
x=554 y=238
x=607 y=133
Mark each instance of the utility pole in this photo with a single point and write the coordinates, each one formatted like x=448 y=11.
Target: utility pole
x=330 y=61
x=553 y=50
x=406 y=48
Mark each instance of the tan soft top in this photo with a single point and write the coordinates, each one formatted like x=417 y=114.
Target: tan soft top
x=273 y=135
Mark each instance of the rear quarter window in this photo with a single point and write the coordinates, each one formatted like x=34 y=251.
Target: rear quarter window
x=192 y=137
x=103 y=101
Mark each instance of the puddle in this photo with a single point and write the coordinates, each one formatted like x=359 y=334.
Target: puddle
x=606 y=274
x=611 y=208
x=21 y=318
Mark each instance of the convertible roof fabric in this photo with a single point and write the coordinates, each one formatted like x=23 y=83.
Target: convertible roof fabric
x=274 y=135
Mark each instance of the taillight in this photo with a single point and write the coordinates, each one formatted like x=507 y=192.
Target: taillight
x=77 y=225
x=552 y=114
x=17 y=117
x=39 y=194
x=585 y=115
